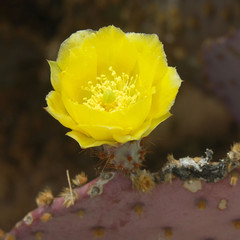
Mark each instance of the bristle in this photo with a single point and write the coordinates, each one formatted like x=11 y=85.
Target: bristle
x=80 y=213
x=80 y=179
x=69 y=197
x=45 y=198
x=18 y=224
x=236 y=224
x=98 y=232
x=39 y=235
x=202 y=203
x=171 y=159
x=138 y=209
x=46 y=217
x=234 y=178
x=168 y=233
x=143 y=181
x=234 y=154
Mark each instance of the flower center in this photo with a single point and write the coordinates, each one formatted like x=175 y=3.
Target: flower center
x=108 y=97
x=112 y=92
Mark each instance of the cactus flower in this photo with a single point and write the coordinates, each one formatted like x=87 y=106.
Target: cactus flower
x=111 y=87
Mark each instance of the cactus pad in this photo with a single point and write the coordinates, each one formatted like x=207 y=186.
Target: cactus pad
x=110 y=208
x=221 y=61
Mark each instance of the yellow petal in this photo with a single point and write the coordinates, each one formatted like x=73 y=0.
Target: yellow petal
x=57 y=110
x=147 y=44
x=85 y=141
x=151 y=52
x=114 y=49
x=166 y=91
x=130 y=118
x=55 y=71
x=75 y=40
x=103 y=133
x=133 y=135
x=82 y=69
x=147 y=127
x=146 y=74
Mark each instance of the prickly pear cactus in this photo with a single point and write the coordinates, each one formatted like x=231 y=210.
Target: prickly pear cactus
x=189 y=198
x=221 y=60
x=149 y=206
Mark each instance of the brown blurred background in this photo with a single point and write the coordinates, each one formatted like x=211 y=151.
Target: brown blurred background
x=35 y=153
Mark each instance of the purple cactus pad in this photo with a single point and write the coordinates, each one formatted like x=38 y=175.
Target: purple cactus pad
x=109 y=208
x=221 y=63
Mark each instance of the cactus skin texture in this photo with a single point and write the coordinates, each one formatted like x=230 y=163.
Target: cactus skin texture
x=109 y=208
x=221 y=60
x=179 y=202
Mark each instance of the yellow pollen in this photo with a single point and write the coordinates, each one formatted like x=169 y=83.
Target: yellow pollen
x=112 y=92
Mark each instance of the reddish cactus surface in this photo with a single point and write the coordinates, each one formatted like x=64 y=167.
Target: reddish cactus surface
x=109 y=208
x=221 y=60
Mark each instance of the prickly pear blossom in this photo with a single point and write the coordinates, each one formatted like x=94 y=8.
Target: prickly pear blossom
x=111 y=87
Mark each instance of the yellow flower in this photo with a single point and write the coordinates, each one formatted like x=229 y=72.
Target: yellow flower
x=111 y=87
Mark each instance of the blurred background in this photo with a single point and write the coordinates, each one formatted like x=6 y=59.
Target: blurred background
x=200 y=38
